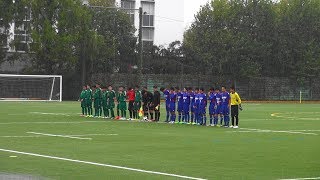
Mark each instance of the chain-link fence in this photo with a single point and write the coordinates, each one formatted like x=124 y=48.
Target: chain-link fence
x=263 y=88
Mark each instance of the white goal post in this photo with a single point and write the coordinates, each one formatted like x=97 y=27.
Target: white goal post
x=30 y=87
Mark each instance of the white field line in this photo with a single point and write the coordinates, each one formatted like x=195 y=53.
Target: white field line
x=58 y=135
x=307 y=130
x=302 y=178
x=48 y=122
x=20 y=136
x=100 y=164
x=81 y=135
x=277 y=131
x=57 y=114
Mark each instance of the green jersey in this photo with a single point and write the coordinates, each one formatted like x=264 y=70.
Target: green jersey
x=83 y=95
x=89 y=94
x=138 y=96
x=97 y=94
x=122 y=96
x=104 y=96
x=111 y=96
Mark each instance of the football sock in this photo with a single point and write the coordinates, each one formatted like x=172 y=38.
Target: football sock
x=188 y=117
x=204 y=119
x=226 y=120
x=215 y=120
x=156 y=116
x=192 y=117
x=168 y=115
x=112 y=113
x=179 y=117
x=151 y=115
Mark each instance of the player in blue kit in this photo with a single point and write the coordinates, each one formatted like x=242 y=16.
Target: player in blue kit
x=202 y=107
x=217 y=108
x=186 y=106
x=192 y=96
x=196 y=106
x=167 y=99
x=225 y=105
x=180 y=104
x=212 y=99
x=172 y=105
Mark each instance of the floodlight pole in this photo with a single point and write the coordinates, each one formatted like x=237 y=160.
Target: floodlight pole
x=140 y=46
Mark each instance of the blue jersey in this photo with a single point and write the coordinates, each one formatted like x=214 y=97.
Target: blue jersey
x=202 y=100
x=225 y=98
x=180 y=98
x=172 y=98
x=212 y=99
x=218 y=99
x=186 y=98
x=192 y=96
x=166 y=96
x=196 y=100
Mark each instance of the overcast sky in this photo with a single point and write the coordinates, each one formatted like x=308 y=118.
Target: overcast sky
x=173 y=17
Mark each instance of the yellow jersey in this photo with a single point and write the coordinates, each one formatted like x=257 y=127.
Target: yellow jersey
x=235 y=98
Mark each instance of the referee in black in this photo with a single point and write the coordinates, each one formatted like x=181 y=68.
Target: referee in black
x=156 y=103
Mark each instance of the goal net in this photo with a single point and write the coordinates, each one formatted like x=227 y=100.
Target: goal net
x=30 y=87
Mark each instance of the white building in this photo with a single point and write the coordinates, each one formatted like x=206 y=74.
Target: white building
x=20 y=34
x=148 y=17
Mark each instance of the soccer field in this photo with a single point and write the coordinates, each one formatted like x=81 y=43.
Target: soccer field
x=50 y=141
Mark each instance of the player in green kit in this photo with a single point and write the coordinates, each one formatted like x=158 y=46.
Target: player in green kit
x=97 y=97
x=110 y=100
x=89 y=101
x=137 y=103
x=104 y=103
x=82 y=98
x=122 y=104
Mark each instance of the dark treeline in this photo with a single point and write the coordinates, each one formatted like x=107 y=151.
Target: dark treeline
x=234 y=38
x=254 y=38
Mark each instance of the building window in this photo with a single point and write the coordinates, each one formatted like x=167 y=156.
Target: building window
x=147 y=34
x=148 y=20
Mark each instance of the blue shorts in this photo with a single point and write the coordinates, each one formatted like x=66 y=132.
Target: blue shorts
x=180 y=107
x=218 y=110
x=186 y=108
x=172 y=107
x=211 y=109
x=167 y=107
x=225 y=110
x=202 y=110
x=192 y=108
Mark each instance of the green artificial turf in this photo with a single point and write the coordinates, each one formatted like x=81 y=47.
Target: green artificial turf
x=290 y=149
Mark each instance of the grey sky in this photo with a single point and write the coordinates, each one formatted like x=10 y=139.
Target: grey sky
x=173 y=17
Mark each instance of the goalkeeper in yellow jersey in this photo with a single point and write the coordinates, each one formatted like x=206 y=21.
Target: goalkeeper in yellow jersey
x=235 y=106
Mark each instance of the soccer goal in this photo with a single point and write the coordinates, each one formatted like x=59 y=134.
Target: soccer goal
x=30 y=87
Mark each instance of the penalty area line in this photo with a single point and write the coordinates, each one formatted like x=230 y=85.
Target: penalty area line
x=58 y=135
x=100 y=164
x=310 y=178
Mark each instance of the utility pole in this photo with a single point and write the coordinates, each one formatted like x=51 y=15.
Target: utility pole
x=140 y=46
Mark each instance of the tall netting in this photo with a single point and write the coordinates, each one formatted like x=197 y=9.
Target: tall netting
x=30 y=87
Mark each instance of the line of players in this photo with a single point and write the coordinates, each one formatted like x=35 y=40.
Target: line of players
x=192 y=106
x=105 y=100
